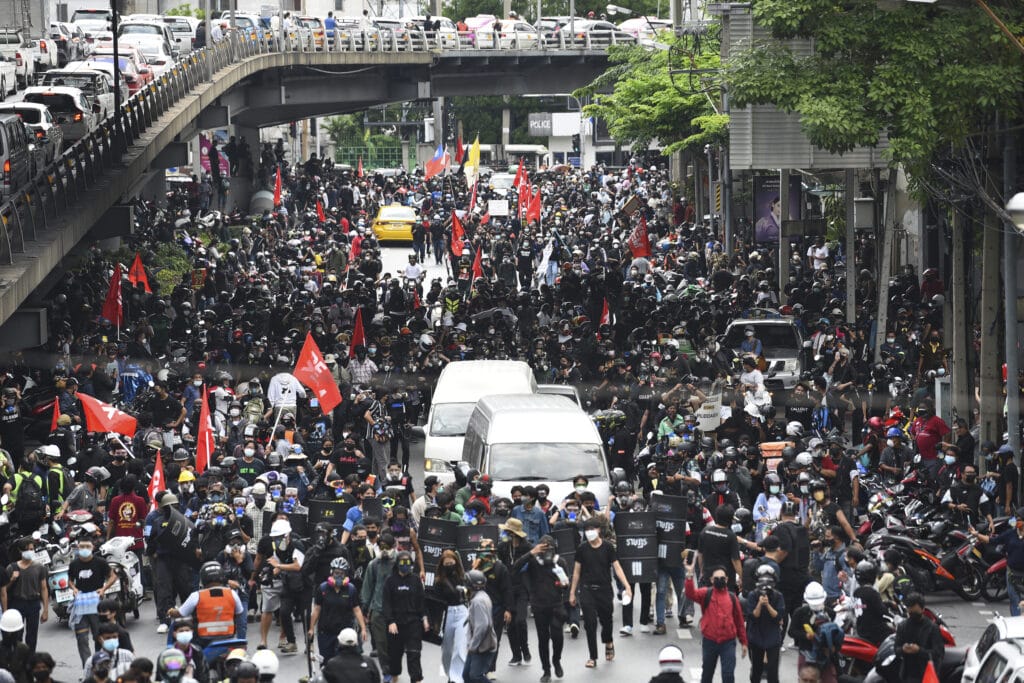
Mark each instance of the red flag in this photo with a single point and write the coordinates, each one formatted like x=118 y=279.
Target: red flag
x=358 y=335
x=277 y=188
x=460 y=151
x=457 y=235
x=524 y=198
x=56 y=414
x=359 y=167
x=533 y=211
x=112 y=310
x=606 y=316
x=639 y=242
x=320 y=216
x=520 y=175
x=137 y=273
x=156 y=483
x=312 y=371
x=485 y=219
x=929 y=674
x=204 y=437
x=478 y=268
x=101 y=417
x=416 y=303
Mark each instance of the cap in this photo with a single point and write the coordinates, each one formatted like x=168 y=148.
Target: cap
x=280 y=527
x=259 y=489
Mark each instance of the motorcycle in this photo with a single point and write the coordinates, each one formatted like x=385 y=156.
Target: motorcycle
x=125 y=564
x=61 y=595
x=887 y=664
x=994 y=587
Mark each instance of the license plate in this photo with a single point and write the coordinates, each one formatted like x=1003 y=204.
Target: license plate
x=114 y=587
x=65 y=595
x=42 y=557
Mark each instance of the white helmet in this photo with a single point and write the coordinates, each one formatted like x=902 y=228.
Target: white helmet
x=11 y=621
x=670 y=659
x=804 y=460
x=718 y=477
x=814 y=596
x=348 y=638
x=795 y=429
x=426 y=343
x=266 y=662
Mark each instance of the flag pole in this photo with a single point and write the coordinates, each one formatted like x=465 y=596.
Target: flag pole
x=124 y=446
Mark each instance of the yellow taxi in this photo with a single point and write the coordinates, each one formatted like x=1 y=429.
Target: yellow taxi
x=394 y=222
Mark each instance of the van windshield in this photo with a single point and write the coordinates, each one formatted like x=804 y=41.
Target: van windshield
x=53 y=101
x=771 y=336
x=544 y=461
x=451 y=419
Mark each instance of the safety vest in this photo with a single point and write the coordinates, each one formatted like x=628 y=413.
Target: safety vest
x=215 y=613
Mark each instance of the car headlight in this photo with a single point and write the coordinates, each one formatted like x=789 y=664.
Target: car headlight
x=436 y=466
x=792 y=365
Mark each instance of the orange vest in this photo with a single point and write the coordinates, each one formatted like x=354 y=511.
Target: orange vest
x=215 y=613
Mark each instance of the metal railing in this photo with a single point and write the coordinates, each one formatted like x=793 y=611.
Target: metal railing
x=61 y=184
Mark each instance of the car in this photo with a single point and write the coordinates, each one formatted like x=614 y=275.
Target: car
x=600 y=33
x=133 y=66
x=315 y=28
x=8 y=75
x=1003 y=663
x=71 y=109
x=95 y=84
x=158 y=58
x=184 y=31
x=16 y=46
x=446 y=33
x=16 y=158
x=513 y=34
x=46 y=134
x=107 y=70
x=645 y=28
x=783 y=347
x=350 y=32
x=129 y=29
x=92 y=20
x=251 y=25
x=394 y=222
x=69 y=46
x=1000 y=628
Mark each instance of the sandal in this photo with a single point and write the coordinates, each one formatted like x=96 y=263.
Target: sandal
x=609 y=652
x=591 y=664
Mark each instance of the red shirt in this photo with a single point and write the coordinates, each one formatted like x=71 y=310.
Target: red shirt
x=722 y=621
x=929 y=435
x=127 y=513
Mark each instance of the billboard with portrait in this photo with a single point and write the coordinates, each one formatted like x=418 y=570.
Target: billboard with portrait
x=768 y=207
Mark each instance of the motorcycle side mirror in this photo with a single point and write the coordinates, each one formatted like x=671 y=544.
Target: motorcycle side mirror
x=5 y=499
x=64 y=542
x=917 y=459
x=888 y=661
x=36 y=536
x=808 y=344
x=72 y=461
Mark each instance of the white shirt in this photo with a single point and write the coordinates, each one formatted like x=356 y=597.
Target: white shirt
x=818 y=254
x=284 y=389
x=413 y=271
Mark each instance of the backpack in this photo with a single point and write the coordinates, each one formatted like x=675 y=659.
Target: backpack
x=707 y=600
x=30 y=503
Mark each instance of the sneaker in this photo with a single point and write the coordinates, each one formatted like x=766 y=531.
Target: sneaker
x=688 y=620
x=546 y=678
x=492 y=676
x=645 y=628
x=558 y=669
x=161 y=628
x=515 y=662
x=574 y=630
x=289 y=649
x=660 y=630
x=626 y=631
x=527 y=659
x=387 y=678
x=782 y=648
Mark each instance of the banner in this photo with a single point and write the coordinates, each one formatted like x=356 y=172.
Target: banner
x=768 y=207
x=567 y=538
x=468 y=540
x=709 y=415
x=330 y=511
x=436 y=536
x=670 y=516
x=637 y=545
x=497 y=207
x=373 y=507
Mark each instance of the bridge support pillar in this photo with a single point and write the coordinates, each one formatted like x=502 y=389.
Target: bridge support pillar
x=25 y=329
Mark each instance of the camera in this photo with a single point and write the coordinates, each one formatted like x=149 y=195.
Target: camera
x=764 y=588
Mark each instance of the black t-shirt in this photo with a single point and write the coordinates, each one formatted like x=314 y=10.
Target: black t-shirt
x=794 y=540
x=88 y=576
x=336 y=607
x=718 y=547
x=595 y=564
x=800 y=410
x=871 y=623
x=165 y=410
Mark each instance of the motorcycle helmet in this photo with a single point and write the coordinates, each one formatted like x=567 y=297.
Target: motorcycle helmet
x=11 y=621
x=211 y=572
x=742 y=521
x=670 y=659
x=171 y=665
x=795 y=430
x=773 y=480
x=790 y=509
x=476 y=580
x=766 y=572
x=866 y=572
x=875 y=424
x=894 y=433
x=267 y=664
x=814 y=596
x=246 y=671
x=719 y=482
x=803 y=460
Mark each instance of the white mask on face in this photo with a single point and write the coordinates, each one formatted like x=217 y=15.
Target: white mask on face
x=889 y=443
x=591 y=535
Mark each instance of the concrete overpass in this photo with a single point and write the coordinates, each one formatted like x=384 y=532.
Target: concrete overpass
x=249 y=83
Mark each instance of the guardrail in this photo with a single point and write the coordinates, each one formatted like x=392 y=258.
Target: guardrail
x=63 y=182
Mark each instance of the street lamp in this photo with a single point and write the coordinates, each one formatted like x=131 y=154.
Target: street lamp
x=1015 y=208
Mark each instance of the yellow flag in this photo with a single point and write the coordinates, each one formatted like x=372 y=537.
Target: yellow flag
x=473 y=160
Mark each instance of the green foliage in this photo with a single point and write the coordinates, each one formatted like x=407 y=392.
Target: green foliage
x=170 y=263
x=186 y=10
x=927 y=75
x=482 y=115
x=642 y=101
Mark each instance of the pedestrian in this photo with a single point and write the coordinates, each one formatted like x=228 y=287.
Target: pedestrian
x=481 y=640
x=14 y=653
x=89 y=577
x=403 y=611
x=512 y=545
x=591 y=578
x=215 y=606
x=670 y=665
x=335 y=609
x=26 y=590
x=764 y=609
x=548 y=576
x=277 y=570
x=372 y=597
x=449 y=586
x=815 y=633
x=721 y=624
x=1012 y=542
x=349 y=665
x=918 y=641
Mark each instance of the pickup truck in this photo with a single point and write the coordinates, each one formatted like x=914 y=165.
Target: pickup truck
x=18 y=47
x=47 y=54
x=94 y=84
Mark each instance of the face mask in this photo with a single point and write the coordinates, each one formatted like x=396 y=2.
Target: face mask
x=949 y=459
x=249 y=452
x=260 y=501
x=890 y=340
x=197 y=382
x=183 y=637
x=110 y=644
x=405 y=568
x=737 y=528
x=41 y=675
x=84 y=553
x=774 y=490
x=971 y=478
x=591 y=534
x=542 y=495
x=372 y=350
x=371 y=534
x=916 y=616
x=185 y=488
x=27 y=555
x=720 y=582
x=722 y=487
x=234 y=412
x=580 y=488
x=890 y=443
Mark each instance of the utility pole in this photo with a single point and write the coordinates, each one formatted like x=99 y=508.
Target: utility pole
x=1010 y=244
x=991 y=377
x=851 y=246
x=725 y=174
x=783 y=237
x=885 y=262
x=958 y=333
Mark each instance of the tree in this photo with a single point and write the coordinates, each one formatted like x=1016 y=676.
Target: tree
x=642 y=101
x=927 y=76
x=186 y=10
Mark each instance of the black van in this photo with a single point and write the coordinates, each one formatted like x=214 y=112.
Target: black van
x=15 y=156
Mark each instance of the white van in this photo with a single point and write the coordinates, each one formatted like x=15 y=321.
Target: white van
x=457 y=390
x=530 y=439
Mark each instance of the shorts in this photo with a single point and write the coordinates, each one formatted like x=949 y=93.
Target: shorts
x=271 y=598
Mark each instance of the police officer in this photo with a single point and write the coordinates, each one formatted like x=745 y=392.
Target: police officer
x=349 y=665
x=214 y=607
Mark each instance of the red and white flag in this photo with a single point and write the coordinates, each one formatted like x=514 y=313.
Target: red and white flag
x=103 y=417
x=639 y=241
x=478 y=267
x=204 y=437
x=156 y=483
x=311 y=370
x=56 y=414
x=606 y=316
x=277 y=188
x=320 y=215
x=533 y=210
x=359 y=168
x=112 y=309
x=460 y=150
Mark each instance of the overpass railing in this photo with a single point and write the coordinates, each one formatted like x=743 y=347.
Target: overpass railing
x=58 y=186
